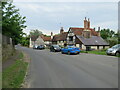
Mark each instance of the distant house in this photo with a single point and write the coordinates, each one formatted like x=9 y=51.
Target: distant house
x=60 y=39
x=86 y=38
x=40 y=40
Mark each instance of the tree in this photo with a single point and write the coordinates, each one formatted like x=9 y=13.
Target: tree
x=35 y=32
x=107 y=33
x=25 y=40
x=12 y=22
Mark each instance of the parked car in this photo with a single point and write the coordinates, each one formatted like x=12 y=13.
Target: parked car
x=115 y=50
x=35 y=47
x=55 y=48
x=70 y=50
x=41 y=47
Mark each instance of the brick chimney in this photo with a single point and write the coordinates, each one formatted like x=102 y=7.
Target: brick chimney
x=61 y=30
x=85 y=23
x=51 y=35
x=98 y=31
x=88 y=23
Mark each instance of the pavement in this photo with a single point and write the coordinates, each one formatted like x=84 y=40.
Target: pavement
x=55 y=70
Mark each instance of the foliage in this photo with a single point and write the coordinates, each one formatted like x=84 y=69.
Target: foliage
x=12 y=22
x=35 y=32
x=110 y=36
x=105 y=33
x=25 y=41
x=112 y=41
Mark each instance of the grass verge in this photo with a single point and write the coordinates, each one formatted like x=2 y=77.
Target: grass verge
x=13 y=76
x=99 y=52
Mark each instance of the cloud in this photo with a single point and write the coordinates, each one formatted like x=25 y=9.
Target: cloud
x=66 y=1
x=48 y=16
x=107 y=24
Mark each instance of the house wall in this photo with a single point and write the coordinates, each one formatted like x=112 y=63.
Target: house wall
x=77 y=45
x=47 y=42
x=83 y=47
x=39 y=41
x=70 y=33
x=106 y=47
x=100 y=47
x=94 y=47
x=60 y=43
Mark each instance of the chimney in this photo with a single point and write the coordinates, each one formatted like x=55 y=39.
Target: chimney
x=85 y=23
x=98 y=31
x=51 y=33
x=88 y=23
x=61 y=30
x=86 y=33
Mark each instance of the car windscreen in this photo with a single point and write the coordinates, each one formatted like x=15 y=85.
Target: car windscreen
x=116 y=46
x=56 y=46
x=71 y=46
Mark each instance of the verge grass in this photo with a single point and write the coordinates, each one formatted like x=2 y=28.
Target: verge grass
x=13 y=76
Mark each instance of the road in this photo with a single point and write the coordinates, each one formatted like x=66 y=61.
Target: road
x=56 y=70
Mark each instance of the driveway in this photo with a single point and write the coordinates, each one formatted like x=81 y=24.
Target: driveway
x=56 y=70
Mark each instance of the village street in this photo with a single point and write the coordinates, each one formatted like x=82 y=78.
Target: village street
x=56 y=70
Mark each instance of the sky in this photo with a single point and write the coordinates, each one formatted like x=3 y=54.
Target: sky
x=51 y=16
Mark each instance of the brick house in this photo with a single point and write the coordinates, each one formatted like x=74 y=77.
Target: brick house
x=86 y=38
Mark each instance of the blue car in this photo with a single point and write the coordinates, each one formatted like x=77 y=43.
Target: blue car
x=70 y=50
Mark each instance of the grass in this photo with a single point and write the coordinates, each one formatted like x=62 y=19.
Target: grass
x=13 y=76
x=98 y=52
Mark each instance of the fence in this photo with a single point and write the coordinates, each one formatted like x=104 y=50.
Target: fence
x=6 y=40
x=7 y=47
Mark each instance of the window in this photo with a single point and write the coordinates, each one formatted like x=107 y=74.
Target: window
x=70 y=38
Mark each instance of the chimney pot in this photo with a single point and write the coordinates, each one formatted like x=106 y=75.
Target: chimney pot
x=61 y=30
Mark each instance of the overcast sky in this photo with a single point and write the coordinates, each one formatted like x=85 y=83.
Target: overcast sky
x=50 y=16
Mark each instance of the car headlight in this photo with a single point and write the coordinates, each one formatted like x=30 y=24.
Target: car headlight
x=55 y=48
x=114 y=51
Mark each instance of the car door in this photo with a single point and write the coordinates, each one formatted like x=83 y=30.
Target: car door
x=65 y=49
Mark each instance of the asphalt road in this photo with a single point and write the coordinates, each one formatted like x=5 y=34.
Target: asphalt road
x=56 y=70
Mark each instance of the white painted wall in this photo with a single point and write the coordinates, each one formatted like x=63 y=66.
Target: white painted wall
x=83 y=47
x=94 y=47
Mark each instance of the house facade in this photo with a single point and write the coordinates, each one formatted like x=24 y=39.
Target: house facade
x=60 y=39
x=86 y=38
x=40 y=40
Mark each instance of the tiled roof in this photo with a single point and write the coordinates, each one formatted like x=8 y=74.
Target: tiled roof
x=46 y=38
x=94 y=40
x=78 y=31
x=33 y=38
x=60 y=37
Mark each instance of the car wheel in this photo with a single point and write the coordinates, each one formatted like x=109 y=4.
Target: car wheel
x=53 y=50
x=62 y=52
x=68 y=52
x=117 y=54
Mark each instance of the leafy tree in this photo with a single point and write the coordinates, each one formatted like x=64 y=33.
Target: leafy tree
x=35 y=32
x=107 y=33
x=12 y=22
x=25 y=40
x=112 y=41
